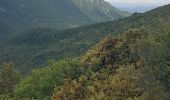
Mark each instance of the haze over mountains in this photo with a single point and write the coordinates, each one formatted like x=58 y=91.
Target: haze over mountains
x=35 y=47
x=138 y=5
x=140 y=9
x=17 y=15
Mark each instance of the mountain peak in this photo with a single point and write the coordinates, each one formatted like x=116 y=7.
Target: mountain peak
x=99 y=10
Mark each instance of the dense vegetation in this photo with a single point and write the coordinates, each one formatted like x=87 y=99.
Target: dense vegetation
x=134 y=65
x=9 y=77
x=33 y=48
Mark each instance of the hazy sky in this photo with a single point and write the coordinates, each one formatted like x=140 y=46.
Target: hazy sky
x=138 y=2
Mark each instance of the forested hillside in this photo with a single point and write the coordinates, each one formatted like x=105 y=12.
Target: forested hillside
x=18 y=15
x=33 y=48
x=127 y=59
x=135 y=65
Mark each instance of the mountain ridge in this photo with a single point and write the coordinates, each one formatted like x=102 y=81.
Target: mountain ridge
x=34 y=47
x=19 y=15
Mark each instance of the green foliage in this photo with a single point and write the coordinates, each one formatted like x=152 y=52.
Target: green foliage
x=41 y=82
x=72 y=90
x=109 y=53
x=116 y=68
x=128 y=83
x=35 y=47
x=156 y=52
x=133 y=66
x=5 y=97
x=133 y=35
x=134 y=79
x=9 y=77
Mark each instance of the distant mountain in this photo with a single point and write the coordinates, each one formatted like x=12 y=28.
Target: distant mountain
x=99 y=10
x=137 y=8
x=33 y=48
x=17 y=15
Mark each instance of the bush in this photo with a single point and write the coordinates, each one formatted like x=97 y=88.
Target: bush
x=41 y=82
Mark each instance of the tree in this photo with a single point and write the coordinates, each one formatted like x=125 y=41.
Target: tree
x=41 y=82
x=9 y=77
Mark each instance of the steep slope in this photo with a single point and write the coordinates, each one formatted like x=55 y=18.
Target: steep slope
x=99 y=10
x=115 y=64
x=17 y=15
x=20 y=14
x=31 y=49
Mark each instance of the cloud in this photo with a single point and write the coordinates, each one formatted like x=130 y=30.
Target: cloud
x=138 y=2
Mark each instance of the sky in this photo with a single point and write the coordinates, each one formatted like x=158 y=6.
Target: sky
x=138 y=5
x=138 y=2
